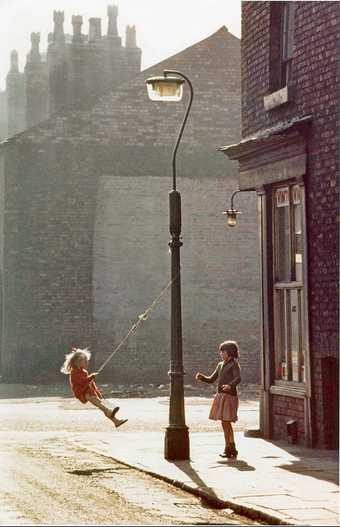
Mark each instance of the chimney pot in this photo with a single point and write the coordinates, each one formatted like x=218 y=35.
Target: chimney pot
x=14 y=61
x=95 y=31
x=112 y=12
x=58 y=19
x=77 y=21
x=130 y=40
x=34 y=54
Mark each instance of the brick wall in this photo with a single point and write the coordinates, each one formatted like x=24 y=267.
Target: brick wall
x=15 y=90
x=3 y=115
x=36 y=93
x=48 y=228
x=315 y=89
x=284 y=408
x=132 y=265
x=88 y=196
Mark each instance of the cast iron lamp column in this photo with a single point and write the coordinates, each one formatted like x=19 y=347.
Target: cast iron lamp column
x=176 y=444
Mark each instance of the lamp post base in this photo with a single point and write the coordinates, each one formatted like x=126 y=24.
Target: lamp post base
x=176 y=443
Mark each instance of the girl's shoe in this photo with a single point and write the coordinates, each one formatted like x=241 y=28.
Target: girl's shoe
x=232 y=452
x=225 y=453
x=120 y=422
x=114 y=411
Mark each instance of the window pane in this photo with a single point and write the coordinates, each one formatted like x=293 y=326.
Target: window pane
x=302 y=372
x=275 y=55
x=288 y=30
x=282 y=233
x=295 y=334
x=280 y=327
x=297 y=211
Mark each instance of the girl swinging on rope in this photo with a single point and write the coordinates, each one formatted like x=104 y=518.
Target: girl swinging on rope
x=82 y=384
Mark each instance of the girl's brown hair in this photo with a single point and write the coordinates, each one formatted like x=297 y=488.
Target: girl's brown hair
x=231 y=347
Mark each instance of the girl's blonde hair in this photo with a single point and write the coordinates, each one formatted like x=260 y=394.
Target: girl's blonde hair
x=73 y=359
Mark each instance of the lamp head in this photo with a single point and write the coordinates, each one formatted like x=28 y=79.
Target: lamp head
x=232 y=216
x=165 y=88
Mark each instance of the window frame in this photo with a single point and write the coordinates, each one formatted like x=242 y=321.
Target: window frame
x=287 y=286
x=282 y=18
x=287 y=41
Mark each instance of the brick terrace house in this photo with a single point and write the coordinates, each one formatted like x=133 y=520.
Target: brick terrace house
x=84 y=229
x=289 y=154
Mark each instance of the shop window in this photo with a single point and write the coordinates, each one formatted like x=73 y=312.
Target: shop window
x=288 y=284
x=282 y=16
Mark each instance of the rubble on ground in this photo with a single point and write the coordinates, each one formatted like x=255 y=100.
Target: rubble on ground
x=121 y=391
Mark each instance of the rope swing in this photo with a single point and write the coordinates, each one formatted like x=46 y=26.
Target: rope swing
x=141 y=318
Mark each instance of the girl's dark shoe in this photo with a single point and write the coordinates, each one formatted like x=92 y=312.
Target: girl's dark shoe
x=226 y=452
x=120 y=422
x=114 y=411
x=232 y=451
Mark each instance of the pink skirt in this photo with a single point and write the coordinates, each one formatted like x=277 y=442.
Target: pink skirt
x=224 y=407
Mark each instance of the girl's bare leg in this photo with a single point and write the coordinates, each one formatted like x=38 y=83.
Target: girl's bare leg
x=98 y=403
x=229 y=438
x=230 y=432
x=226 y=432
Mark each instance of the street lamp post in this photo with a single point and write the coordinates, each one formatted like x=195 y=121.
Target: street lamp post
x=176 y=445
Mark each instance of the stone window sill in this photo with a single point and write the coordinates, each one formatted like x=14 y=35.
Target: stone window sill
x=289 y=389
x=276 y=98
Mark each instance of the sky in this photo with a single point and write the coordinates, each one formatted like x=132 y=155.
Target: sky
x=163 y=27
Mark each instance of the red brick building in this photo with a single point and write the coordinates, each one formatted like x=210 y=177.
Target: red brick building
x=289 y=154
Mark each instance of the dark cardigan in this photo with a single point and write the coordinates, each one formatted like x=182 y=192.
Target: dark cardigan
x=227 y=373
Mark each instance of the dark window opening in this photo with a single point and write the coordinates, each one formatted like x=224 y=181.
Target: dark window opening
x=281 y=43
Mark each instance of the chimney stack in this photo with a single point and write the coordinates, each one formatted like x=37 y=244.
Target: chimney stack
x=112 y=12
x=14 y=62
x=77 y=22
x=95 y=31
x=130 y=40
x=58 y=33
x=34 y=54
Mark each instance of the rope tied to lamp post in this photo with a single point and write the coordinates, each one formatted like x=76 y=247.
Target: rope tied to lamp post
x=141 y=318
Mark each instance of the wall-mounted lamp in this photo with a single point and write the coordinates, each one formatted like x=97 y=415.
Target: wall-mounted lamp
x=231 y=212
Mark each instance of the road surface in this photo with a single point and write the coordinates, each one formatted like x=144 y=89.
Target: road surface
x=47 y=479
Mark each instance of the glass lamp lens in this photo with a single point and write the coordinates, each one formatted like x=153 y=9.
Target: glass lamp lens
x=165 y=91
x=231 y=218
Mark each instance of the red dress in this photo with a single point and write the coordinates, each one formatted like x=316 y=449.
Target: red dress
x=82 y=383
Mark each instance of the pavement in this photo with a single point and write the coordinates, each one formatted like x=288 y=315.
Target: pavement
x=272 y=481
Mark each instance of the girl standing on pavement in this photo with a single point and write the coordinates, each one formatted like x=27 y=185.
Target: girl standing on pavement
x=225 y=404
x=82 y=384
